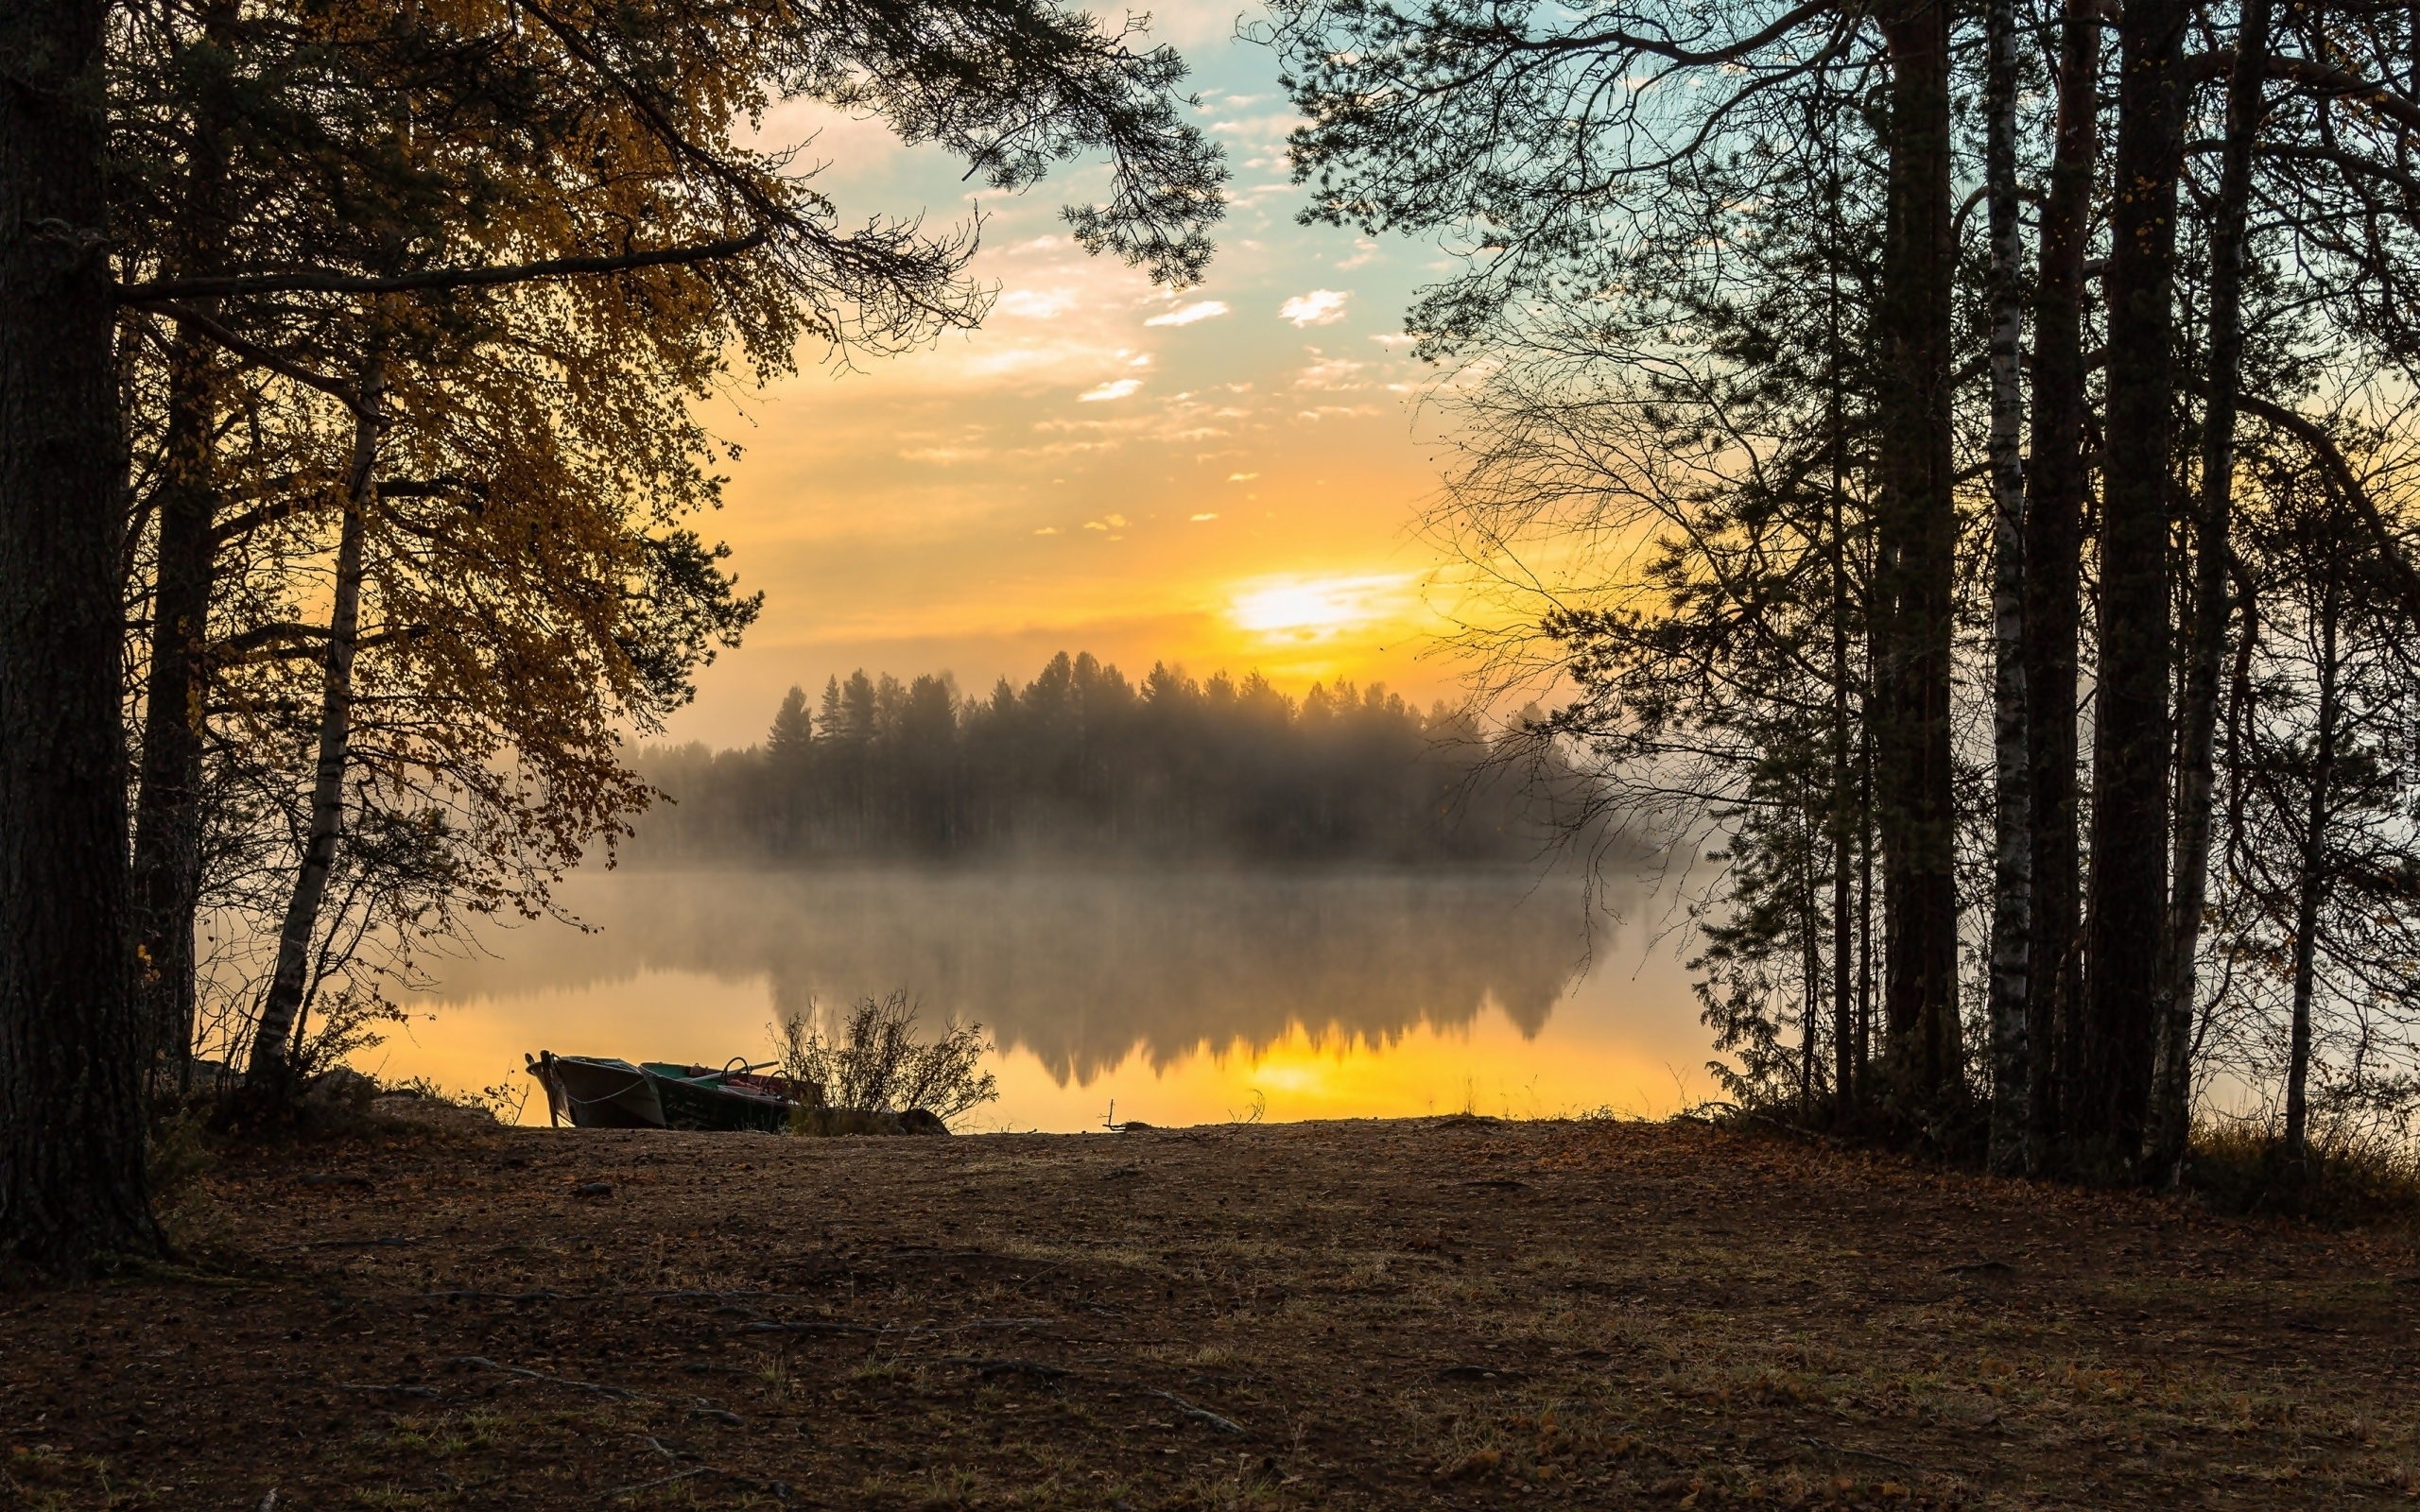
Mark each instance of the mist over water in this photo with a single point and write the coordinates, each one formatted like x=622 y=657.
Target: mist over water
x=1188 y=994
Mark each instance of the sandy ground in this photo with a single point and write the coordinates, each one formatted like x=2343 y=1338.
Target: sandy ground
x=1435 y=1312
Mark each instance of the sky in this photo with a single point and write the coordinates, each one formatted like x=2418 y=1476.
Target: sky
x=1224 y=476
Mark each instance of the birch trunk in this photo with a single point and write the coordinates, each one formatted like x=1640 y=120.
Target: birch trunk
x=2012 y=827
x=1847 y=820
x=272 y=1048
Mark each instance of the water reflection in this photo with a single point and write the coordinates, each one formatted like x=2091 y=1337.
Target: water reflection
x=1347 y=991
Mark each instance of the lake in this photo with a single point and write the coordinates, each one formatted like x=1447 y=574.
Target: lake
x=1179 y=996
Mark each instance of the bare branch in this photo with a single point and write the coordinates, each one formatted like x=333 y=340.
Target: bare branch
x=435 y=278
x=258 y=355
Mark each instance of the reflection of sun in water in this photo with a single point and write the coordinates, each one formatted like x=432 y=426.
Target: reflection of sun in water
x=1318 y=608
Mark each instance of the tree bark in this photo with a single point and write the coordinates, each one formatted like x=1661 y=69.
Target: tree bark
x=168 y=804
x=2053 y=550
x=272 y=1064
x=2311 y=883
x=2172 y=1087
x=166 y=875
x=2128 y=903
x=1917 y=539
x=72 y=1180
x=2011 y=837
x=1847 y=819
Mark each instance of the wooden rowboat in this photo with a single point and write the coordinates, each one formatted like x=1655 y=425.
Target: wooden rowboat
x=596 y=1092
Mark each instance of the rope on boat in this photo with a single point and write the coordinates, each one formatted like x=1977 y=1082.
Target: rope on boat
x=553 y=1079
x=579 y=1102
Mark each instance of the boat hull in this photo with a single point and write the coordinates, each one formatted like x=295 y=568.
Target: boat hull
x=589 y=1092
x=696 y=1105
x=595 y=1092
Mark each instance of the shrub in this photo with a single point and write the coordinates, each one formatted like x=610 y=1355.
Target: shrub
x=879 y=1065
x=2343 y=1178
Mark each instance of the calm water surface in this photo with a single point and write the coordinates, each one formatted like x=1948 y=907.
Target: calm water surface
x=1185 y=997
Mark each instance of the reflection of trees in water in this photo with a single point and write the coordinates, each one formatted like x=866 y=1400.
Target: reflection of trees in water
x=1081 y=966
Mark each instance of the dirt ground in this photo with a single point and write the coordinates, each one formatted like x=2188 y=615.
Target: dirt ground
x=1435 y=1312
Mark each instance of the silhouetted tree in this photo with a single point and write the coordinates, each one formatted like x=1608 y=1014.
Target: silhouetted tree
x=1080 y=762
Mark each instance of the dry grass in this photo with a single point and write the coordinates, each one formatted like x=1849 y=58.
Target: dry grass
x=2342 y=1179
x=1434 y=1313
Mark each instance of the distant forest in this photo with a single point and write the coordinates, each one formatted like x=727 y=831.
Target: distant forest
x=1081 y=761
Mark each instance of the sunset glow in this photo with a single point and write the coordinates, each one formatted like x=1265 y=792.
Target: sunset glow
x=1217 y=476
x=1321 y=608
x=1619 y=1043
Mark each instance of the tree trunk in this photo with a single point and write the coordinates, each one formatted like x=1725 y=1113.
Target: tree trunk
x=2053 y=549
x=166 y=875
x=272 y=1050
x=2311 y=884
x=2128 y=903
x=1810 y=965
x=1917 y=539
x=168 y=804
x=72 y=1181
x=2012 y=836
x=1846 y=818
x=2173 y=1087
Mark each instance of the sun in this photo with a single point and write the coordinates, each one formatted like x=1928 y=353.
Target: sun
x=1319 y=608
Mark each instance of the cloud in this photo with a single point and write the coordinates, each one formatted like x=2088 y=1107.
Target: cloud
x=1047 y=530
x=1241 y=477
x=1329 y=373
x=1118 y=519
x=1393 y=339
x=1198 y=518
x=1037 y=304
x=1318 y=307
x=1119 y=389
x=1198 y=310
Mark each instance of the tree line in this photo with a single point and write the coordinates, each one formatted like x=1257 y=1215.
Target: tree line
x=351 y=460
x=1082 y=763
x=1961 y=457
